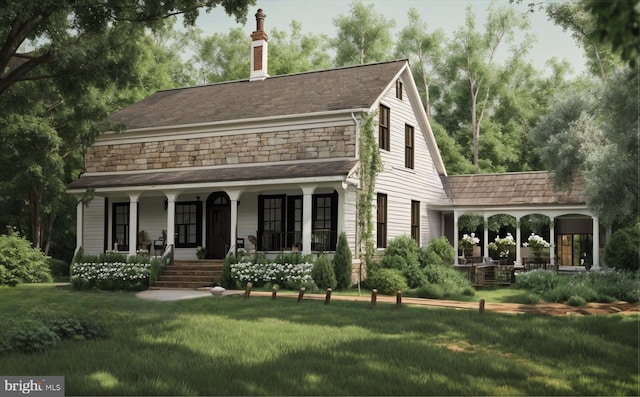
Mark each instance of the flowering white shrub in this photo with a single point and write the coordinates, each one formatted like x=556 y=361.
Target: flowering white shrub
x=117 y=275
x=503 y=245
x=468 y=241
x=536 y=242
x=276 y=273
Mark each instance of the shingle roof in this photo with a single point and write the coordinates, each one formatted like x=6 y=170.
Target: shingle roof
x=220 y=174
x=353 y=87
x=510 y=189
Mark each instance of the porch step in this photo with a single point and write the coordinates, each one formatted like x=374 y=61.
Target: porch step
x=190 y=274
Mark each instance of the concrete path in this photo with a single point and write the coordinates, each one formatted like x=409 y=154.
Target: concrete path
x=556 y=309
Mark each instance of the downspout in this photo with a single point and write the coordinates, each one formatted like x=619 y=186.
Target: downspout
x=358 y=188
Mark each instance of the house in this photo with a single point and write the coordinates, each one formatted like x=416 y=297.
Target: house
x=272 y=163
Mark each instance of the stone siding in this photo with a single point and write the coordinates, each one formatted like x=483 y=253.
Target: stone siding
x=301 y=144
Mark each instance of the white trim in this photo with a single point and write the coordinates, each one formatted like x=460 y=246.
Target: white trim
x=229 y=127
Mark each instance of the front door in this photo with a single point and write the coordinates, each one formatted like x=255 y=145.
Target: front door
x=218 y=225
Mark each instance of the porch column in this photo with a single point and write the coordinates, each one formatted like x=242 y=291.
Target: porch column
x=552 y=242
x=455 y=237
x=171 y=217
x=307 y=209
x=518 y=241
x=596 y=243
x=233 y=196
x=79 y=224
x=133 y=222
x=485 y=237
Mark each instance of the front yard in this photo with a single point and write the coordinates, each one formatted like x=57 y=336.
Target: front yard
x=233 y=346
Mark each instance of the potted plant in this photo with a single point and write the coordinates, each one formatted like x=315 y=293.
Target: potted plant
x=537 y=244
x=468 y=243
x=201 y=252
x=503 y=246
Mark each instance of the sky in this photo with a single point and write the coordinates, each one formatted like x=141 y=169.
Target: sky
x=316 y=16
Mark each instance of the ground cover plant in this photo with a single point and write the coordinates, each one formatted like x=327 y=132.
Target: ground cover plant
x=113 y=271
x=259 y=346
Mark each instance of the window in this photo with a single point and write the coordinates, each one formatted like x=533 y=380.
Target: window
x=399 y=89
x=271 y=223
x=188 y=224
x=120 y=227
x=383 y=128
x=381 y=235
x=415 y=221
x=324 y=222
x=408 y=146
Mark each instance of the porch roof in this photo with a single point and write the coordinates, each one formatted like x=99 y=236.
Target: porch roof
x=259 y=172
x=510 y=189
x=347 y=88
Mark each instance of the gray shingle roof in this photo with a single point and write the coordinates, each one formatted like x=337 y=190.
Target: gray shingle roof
x=213 y=175
x=353 y=87
x=510 y=189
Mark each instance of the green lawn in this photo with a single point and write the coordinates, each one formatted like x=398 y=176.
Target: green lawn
x=233 y=346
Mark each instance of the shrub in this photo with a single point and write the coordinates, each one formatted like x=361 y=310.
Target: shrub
x=453 y=282
x=227 y=280
x=35 y=338
x=403 y=247
x=58 y=267
x=288 y=275
x=443 y=249
x=343 y=263
x=111 y=257
x=429 y=291
x=292 y=258
x=20 y=262
x=427 y=257
x=387 y=281
x=576 y=300
x=622 y=250
x=537 y=281
x=323 y=274
x=110 y=276
x=414 y=276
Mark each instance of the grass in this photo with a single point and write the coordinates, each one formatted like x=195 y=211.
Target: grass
x=233 y=346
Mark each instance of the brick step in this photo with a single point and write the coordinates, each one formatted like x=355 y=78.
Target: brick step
x=190 y=274
x=182 y=284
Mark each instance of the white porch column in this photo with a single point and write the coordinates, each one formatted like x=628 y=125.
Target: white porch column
x=234 y=195
x=485 y=237
x=552 y=241
x=171 y=217
x=518 y=241
x=133 y=222
x=307 y=209
x=455 y=237
x=596 y=243
x=79 y=224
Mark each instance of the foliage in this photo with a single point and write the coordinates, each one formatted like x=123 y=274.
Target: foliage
x=20 y=262
x=293 y=257
x=227 y=280
x=110 y=276
x=58 y=267
x=536 y=242
x=468 y=241
x=430 y=257
x=285 y=274
x=370 y=165
x=323 y=274
x=622 y=250
x=401 y=252
x=343 y=263
x=387 y=281
x=453 y=282
x=503 y=245
x=602 y=286
x=363 y=36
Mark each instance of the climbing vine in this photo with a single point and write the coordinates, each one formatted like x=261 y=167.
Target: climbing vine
x=370 y=165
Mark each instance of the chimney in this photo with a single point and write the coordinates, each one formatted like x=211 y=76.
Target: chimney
x=259 y=50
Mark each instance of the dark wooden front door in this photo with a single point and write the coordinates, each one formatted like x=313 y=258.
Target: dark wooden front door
x=218 y=225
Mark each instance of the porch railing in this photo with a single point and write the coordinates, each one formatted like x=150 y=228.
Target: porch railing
x=321 y=240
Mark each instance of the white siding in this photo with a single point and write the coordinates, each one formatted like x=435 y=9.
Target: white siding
x=402 y=185
x=93 y=227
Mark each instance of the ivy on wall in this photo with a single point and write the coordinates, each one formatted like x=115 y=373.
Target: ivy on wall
x=370 y=165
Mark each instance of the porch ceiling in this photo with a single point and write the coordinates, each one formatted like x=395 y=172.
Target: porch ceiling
x=216 y=175
x=510 y=189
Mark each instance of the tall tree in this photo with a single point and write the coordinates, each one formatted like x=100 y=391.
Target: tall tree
x=297 y=52
x=82 y=40
x=473 y=59
x=221 y=56
x=424 y=51
x=363 y=36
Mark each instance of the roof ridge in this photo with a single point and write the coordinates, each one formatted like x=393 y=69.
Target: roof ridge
x=502 y=173
x=287 y=75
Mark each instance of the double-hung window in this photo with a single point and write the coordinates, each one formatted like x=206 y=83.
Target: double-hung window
x=381 y=226
x=409 y=153
x=120 y=227
x=384 y=127
x=188 y=224
x=415 y=221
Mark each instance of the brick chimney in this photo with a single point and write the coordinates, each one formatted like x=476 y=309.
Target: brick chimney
x=259 y=50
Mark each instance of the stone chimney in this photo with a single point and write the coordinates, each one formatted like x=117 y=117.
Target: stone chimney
x=259 y=50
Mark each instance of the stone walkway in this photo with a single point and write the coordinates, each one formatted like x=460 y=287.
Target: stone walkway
x=554 y=309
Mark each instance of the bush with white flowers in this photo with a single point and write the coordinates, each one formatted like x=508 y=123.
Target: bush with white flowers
x=274 y=273
x=110 y=276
